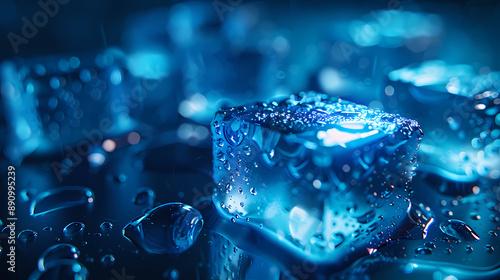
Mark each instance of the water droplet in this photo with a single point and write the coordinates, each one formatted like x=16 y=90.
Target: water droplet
x=221 y=156
x=468 y=249
x=459 y=230
x=220 y=142
x=494 y=218
x=491 y=205
x=169 y=228
x=388 y=191
x=7 y=231
x=475 y=216
x=63 y=269
x=47 y=229
x=447 y=212
x=60 y=198
x=56 y=253
x=144 y=197
x=171 y=274
x=232 y=137
x=230 y=151
x=227 y=165
x=27 y=194
x=431 y=245
x=423 y=251
x=489 y=248
x=253 y=191
x=27 y=236
x=106 y=227
x=445 y=240
x=120 y=178
x=336 y=239
x=447 y=251
x=74 y=228
x=367 y=217
x=108 y=261
x=380 y=235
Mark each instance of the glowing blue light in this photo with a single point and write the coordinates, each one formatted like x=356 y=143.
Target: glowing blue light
x=116 y=77
x=433 y=73
x=54 y=83
x=30 y=88
x=85 y=76
x=96 y=159
x=74 y=62
x=329 y=79
x=23 y=130
x=334 y=137
x=390 y=28
x=150 y=65
x=302 y=225
x=76 y=268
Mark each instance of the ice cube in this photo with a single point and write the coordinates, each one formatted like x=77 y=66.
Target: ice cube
x=324 y=176
x=461 y=121
x=228 y=68
x=52 y=98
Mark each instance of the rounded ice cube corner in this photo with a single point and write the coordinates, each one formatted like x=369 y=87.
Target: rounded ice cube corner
x=315 y=171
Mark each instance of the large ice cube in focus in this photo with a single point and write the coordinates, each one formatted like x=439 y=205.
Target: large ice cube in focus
x=327 y=177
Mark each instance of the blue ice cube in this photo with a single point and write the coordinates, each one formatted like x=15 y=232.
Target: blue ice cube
x=19 y=106
x=394 y=28
x=326 y=177
x=76 y=98
x=225 y=66
x=461 y=120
